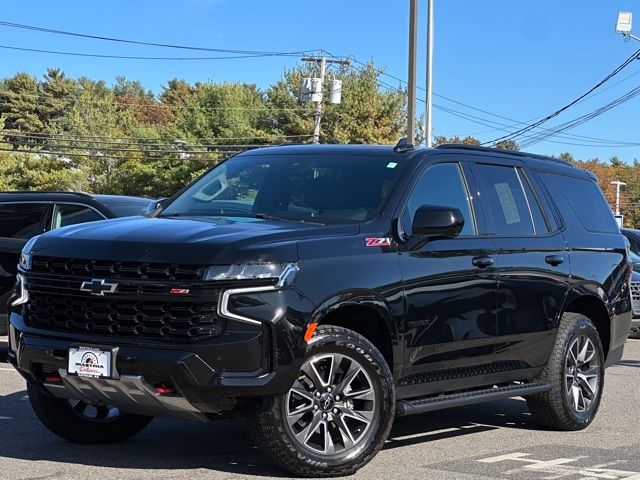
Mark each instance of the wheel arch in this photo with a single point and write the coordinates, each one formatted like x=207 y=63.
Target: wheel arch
x=591 y=300
x=366 y=314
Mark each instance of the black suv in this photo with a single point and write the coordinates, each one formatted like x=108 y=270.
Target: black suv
x=26 y=214
x=324 y=290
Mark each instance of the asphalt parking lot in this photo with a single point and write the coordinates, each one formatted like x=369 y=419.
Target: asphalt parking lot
x=485 y=441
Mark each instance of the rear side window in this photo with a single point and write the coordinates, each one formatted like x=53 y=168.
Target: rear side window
x=586 y=201
x=504 y=200
x=21 y=220
x=65 y=215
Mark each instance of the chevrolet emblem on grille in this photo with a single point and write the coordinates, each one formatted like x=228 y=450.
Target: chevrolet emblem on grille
x=98 y=286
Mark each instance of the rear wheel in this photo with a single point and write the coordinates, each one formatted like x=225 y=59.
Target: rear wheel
x=576 y=371
x=80 y=422
x=635 y=332
x=337 y=414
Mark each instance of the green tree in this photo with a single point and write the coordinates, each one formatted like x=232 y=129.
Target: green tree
x=507 y=145
x=468 y=140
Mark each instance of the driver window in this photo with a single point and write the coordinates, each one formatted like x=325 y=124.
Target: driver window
x=442 y=184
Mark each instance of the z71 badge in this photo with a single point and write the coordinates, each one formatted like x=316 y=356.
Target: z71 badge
x=377 y=242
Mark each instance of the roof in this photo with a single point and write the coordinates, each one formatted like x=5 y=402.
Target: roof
x=515 y=153
x=121 y=199
x=48 y=195
x=333 y=149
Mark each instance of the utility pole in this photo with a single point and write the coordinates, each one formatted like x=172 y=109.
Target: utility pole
x=413 y=47
x=428 y=128
x=618 y=184
x=316 y=94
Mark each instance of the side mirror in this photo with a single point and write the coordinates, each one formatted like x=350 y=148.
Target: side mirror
x=156 y=205
x=437 y=221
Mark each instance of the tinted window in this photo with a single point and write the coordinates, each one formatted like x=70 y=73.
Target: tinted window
x=587 y=202
x=314 y=188
x=504 y=200
x=442 y=184
x=65 y=215
x=539 y=220
x=128 y=210
x=21 y=220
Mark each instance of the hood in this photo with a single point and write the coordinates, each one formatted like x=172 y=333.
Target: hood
x=195 y=241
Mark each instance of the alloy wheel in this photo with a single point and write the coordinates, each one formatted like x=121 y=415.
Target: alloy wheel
x=582 y=374
x=331 y=405
x=95 y=413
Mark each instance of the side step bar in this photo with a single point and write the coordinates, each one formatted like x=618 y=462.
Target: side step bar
x=421 y=405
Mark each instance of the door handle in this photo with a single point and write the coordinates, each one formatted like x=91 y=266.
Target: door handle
x=482 y=262
x=554 y=260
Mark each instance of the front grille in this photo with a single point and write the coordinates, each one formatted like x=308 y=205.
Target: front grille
x=116 y=270
x=123 y=318
x=635 y=298
x=141 y=306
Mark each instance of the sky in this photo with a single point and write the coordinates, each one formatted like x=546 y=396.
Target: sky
x=520 y=60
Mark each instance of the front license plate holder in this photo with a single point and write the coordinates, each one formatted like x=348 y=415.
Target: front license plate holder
x=90 y=362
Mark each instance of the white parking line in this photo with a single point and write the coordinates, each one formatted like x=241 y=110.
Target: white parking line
x=8 y=369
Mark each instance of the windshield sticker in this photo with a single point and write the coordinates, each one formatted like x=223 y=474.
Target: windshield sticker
x=392 y=165
x=509 y=209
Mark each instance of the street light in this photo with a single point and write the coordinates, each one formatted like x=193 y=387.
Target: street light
x=618 y=184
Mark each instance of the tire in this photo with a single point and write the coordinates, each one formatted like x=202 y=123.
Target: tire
x=77 y=425
x=635 y=333
x=343 y=352
x=573 y=401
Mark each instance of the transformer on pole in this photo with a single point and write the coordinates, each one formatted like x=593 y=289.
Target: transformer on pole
x=312 y=90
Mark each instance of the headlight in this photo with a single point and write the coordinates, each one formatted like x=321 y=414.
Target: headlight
x=23 y=295
x=282 y=272
x=25 y=255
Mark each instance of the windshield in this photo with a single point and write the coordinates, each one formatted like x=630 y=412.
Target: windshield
x=634 y=257
x=307 y=188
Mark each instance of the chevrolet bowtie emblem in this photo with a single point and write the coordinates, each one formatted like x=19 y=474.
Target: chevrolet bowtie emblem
x=98 y=286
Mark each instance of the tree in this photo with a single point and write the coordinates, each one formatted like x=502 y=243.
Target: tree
x=468 y=140
x=19 y=97
x=506 y=145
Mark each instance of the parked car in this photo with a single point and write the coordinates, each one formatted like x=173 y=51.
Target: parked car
x=634 y=241
x=324 y=290
x=26 y=214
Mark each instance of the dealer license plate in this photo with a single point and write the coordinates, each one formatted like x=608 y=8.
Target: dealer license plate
x=90 y=362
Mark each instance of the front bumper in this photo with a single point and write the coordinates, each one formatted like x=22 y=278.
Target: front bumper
x=210 y=377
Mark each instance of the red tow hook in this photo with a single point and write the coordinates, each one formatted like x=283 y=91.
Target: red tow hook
x=165 y=390
x=53 y=378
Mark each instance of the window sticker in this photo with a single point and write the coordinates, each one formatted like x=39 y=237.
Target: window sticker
x=508 y=203
x=392 y=165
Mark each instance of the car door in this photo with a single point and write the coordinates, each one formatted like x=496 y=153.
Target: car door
x=533 y=263
x=19 y=222
x=450 y=288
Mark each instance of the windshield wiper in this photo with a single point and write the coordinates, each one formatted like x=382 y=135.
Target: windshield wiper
x=264 y=216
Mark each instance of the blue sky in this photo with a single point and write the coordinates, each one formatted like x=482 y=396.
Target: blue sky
x=517 y=59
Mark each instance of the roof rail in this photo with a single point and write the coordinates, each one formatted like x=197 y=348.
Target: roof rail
x=466 y=146
x=31 y=192
x=403 y=145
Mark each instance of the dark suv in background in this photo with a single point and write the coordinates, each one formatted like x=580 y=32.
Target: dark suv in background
x=26 y=214
x=324 y=290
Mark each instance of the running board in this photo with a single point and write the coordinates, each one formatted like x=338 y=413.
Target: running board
x=421 y=405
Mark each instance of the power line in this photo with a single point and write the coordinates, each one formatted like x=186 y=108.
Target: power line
x=107 y=137
x=150 y=44
x=135 y=57
x=108 y=157
x=557 y=112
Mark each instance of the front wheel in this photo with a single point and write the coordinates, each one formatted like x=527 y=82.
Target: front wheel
x=79 y=422
x=576 y=372
x=337 y=414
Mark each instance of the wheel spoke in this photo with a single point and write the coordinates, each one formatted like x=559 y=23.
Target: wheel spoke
x=306 y=433
x=329 y=447
x=80 y=407
x=102 y=411
x=311 y=372
x=583 y=349
x=352 y=372
x=362 y=394
x=363 y=416
x=345 y=432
